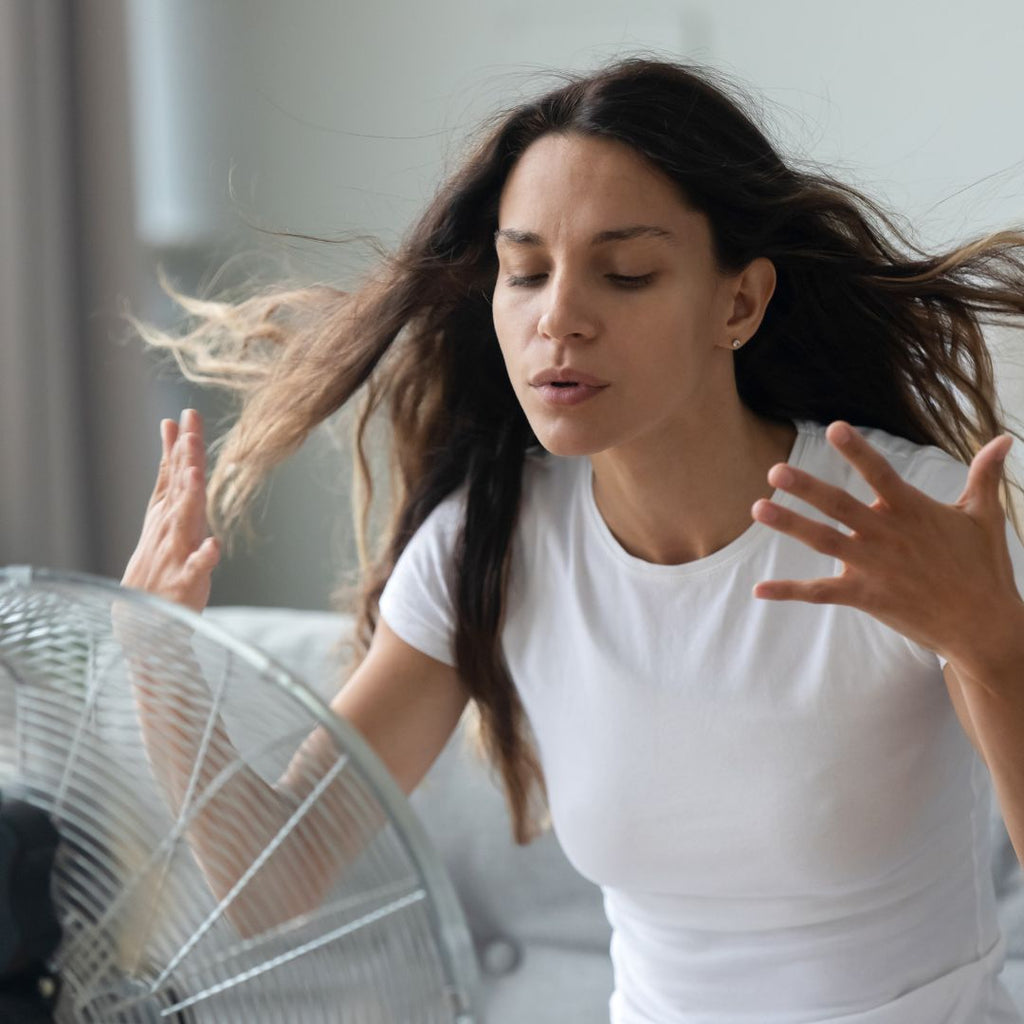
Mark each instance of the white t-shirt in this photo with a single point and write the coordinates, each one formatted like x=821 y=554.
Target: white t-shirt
x=784 y=814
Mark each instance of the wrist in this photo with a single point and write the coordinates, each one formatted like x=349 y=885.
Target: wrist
x=993 y=658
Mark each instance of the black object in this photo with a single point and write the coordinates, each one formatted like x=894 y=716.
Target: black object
x=29 y=930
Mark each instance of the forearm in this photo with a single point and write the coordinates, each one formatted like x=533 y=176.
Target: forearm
x=992 y=683
x=231 y=815
x=267 y=852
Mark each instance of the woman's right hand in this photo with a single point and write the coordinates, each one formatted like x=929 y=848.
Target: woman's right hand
x=175 y=556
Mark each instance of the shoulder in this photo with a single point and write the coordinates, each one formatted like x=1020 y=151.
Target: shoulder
x=434 y=540
x=547 y=481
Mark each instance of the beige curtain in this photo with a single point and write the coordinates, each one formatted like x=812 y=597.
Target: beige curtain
x=43 y=503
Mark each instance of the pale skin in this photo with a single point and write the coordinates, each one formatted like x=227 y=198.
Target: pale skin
x=678 y=459
x=681 y=466
x=176 y=555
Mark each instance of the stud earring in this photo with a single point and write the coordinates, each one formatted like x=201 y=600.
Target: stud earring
x=735 y=342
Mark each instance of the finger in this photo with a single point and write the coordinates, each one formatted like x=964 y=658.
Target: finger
x=168 y=435
x=189 y=452
x=985 y=474
x=869 y=462
x=192 y=421
x=168 y=432
x=191 y=508
x=205 y=557
x=185 y=497
x=817 y=535
x=193 y=429
x=833 y=501
x=178 y=463
x=185 y=456
x=821 y=591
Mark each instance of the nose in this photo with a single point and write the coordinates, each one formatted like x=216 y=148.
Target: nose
x=567 y=314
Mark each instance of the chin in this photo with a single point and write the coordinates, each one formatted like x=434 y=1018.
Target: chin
x=570 y=432
x=568 y=443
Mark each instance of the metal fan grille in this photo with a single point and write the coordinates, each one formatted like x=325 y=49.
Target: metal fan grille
x=205 y=873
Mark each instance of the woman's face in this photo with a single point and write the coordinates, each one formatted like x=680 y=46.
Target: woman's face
x=605 y=274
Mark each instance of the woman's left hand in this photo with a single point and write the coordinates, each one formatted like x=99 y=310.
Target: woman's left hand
x=939 y=574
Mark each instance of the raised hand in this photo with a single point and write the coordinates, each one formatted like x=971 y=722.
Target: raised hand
x=176 y=556
x=939 y=574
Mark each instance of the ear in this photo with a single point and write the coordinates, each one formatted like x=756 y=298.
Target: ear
x=749 y=291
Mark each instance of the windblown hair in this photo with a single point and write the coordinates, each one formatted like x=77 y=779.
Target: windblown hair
x=863 y=326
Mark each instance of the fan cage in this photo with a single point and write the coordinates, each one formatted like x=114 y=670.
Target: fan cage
x=198 y=876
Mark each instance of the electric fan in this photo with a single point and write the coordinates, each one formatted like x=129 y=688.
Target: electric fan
x=200 y=837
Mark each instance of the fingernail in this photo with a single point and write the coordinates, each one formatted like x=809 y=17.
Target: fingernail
x=841 y=433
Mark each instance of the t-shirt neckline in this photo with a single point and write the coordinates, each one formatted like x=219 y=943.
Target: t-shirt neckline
x=756 y=532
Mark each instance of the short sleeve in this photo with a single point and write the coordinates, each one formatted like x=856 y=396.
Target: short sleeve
x=943 y=478
x=417 y=599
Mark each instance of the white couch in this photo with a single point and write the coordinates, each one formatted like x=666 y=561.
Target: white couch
x=538 y=927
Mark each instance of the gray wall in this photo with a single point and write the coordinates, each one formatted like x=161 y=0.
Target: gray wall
x=335 y=117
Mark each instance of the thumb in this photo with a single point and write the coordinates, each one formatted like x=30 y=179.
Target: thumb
x=986 y=471
x=206 y=556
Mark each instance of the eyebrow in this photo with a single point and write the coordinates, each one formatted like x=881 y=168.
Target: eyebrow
x=615 y=235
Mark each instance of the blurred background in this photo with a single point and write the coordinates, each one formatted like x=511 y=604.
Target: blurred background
x=181 y=133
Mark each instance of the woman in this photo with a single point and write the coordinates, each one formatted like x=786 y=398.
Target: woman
x=699 y=505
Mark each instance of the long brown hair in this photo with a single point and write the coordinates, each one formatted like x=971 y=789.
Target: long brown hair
x=863 y=326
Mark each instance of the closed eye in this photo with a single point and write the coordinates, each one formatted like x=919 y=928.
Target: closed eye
x=625 y=281
x=524 y=282
x=622 y=280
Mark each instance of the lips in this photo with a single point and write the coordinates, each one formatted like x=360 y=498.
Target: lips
x=564 y=376
x=560 y=394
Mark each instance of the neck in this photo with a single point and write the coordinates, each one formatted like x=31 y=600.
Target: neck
x=689 y=494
